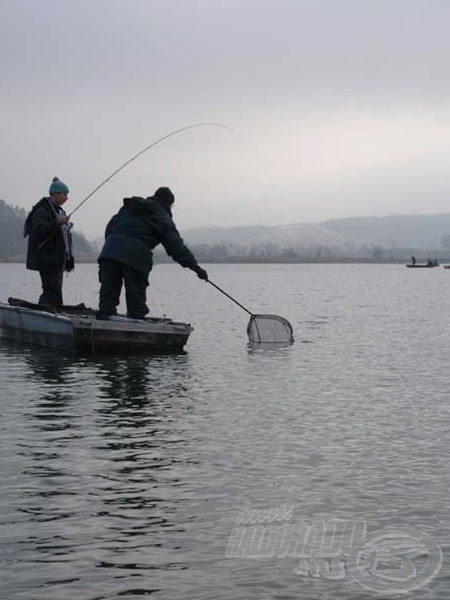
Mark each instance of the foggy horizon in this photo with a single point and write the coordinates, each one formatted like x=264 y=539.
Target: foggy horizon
x=338 y=108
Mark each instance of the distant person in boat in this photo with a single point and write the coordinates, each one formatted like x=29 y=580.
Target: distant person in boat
x=126 y=257
x=413 y=260
x=50 y=242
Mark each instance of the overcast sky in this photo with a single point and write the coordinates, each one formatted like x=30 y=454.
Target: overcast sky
x=338 y=107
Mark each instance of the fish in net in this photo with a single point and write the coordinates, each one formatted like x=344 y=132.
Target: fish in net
x=269 y=329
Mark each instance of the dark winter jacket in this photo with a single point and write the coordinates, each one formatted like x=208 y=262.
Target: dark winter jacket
x=139 y=226
x=41 y=226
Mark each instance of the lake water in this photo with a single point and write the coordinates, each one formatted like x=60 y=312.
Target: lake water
x=124 y=476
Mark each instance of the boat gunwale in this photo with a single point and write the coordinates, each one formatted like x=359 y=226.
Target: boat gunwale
x=48 y=315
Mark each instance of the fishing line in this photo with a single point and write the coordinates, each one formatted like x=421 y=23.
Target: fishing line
x=130 y=160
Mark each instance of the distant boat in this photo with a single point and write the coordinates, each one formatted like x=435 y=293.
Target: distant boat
x=424 y=265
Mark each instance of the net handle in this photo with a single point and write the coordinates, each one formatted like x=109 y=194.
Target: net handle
x=230 y=297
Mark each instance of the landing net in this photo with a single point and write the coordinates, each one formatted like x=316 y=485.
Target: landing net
x=269 y=329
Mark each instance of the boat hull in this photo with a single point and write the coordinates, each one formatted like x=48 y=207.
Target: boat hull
x=110 y=336
x=83 y=333
x=37 y=327
x=421 y=266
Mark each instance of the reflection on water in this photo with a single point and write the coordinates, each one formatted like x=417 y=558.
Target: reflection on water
x=95 y=463
x=275 y=349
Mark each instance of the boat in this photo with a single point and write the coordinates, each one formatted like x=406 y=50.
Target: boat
x=75 y=329
x=422 y=266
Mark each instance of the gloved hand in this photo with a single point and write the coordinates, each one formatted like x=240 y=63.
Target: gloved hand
x=201 y=273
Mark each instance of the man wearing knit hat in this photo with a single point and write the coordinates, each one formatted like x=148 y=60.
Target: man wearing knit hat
x=126 y=257
x=50 y=242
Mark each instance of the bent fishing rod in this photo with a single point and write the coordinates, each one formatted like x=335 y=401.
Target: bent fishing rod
x=130 y=160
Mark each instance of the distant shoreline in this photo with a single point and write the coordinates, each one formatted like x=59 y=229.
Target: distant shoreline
x=247 y=261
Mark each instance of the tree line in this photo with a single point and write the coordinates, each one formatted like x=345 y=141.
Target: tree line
x=13 y=246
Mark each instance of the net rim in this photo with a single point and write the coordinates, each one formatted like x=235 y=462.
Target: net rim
x=273 y=317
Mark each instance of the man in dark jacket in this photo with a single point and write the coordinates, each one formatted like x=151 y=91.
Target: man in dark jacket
x=126 y=257
x=50 y=242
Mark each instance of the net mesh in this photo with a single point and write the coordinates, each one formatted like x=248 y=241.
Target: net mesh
x=269 y=329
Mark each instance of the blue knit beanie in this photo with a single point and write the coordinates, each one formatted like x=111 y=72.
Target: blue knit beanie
x=58 y=187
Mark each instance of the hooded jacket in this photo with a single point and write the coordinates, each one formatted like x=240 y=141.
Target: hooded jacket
x=139 y=226
x=41 y=226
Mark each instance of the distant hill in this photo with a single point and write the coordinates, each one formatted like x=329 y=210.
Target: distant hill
x=417 y=231
x=375 y=238
x=285 y=235
x=13 y=246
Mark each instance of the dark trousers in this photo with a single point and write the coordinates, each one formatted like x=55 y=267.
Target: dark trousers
x=51 y=288
x=112 y=274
